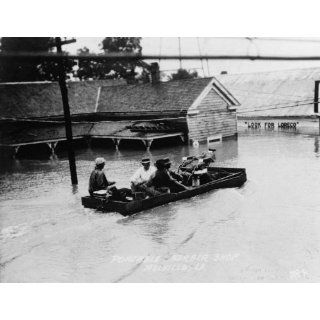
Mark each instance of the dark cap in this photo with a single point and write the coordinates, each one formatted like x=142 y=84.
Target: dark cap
x=160 y=163
x=208 y=160
x=145 y=161
x=167 y=160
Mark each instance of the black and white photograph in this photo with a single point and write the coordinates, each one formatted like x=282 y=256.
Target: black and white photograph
x=159 y=159
x=121 y=165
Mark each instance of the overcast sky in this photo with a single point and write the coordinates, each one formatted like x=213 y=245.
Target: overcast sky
x=165 y=45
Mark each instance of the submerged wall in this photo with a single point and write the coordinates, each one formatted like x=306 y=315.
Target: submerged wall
x=212 y=117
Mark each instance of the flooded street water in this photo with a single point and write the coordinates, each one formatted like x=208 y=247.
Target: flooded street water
x=266 y=231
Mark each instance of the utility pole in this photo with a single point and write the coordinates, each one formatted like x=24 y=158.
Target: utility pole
x=180 y=52
x=316 y=100
x=66 y=110
x=316 y=96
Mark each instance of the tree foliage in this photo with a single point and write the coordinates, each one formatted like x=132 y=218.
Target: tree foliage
x=121 y=44
x=183 y=74
x=16 y=70
x=122 y=69
x=86 y=69
x=21 y=69
x=106 y=69
x=91 y=69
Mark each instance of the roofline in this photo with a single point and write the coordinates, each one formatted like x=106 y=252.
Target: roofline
x=201 y=96
x=225 y=92
x=226 y=95
x=121 y=82
x=269 y=71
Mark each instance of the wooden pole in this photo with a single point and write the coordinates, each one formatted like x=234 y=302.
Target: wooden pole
x=316 y=96
x=67 y=117
x=180 y=52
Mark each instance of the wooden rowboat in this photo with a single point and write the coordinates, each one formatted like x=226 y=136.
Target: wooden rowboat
x=228 y=178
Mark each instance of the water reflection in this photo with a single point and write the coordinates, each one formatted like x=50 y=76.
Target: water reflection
x=54 y=157
x=227 y=150
x=75 y=189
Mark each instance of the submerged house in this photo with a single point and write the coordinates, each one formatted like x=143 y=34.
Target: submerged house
x=193 y=109
x=201 y=107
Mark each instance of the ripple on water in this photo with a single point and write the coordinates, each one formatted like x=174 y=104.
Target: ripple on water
x=12 y=232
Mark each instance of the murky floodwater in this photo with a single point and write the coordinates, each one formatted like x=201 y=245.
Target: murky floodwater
x=268 y=230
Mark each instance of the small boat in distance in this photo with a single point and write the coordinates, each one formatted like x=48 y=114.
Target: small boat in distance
x=227 y=178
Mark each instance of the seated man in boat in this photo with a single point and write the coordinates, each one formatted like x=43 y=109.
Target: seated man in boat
x=99 y=182
x=141 y=176
x=173 y=174
x=161 y=180
x=182 y=177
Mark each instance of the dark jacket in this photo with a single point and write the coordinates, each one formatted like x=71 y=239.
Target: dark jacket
x=97 y=181
x=162 y=178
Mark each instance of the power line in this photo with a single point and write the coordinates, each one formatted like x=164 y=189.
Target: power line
x=268 y=93
x=200 y=55
x=283 y=107
x=284 y=39
x=169 y=70
x=132 y=57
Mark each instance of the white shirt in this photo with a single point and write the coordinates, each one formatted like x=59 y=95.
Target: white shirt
x=142 y=175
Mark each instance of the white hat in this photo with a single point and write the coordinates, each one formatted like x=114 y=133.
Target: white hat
x=184 y=158
x=100 y=161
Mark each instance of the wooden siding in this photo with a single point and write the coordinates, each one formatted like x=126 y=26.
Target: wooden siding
x=213 y=118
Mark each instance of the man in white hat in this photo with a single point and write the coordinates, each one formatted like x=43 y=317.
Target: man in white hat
x=98 y=180
x=142 y=176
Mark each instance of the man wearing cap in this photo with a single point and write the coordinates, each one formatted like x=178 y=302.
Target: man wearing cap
x=98 y=181
x=142 y=176
x=173 y=174
x=162 y=179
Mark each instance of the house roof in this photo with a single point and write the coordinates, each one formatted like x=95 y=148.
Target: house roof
x=43 y=99
x=171 y=96
x=276 y=93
